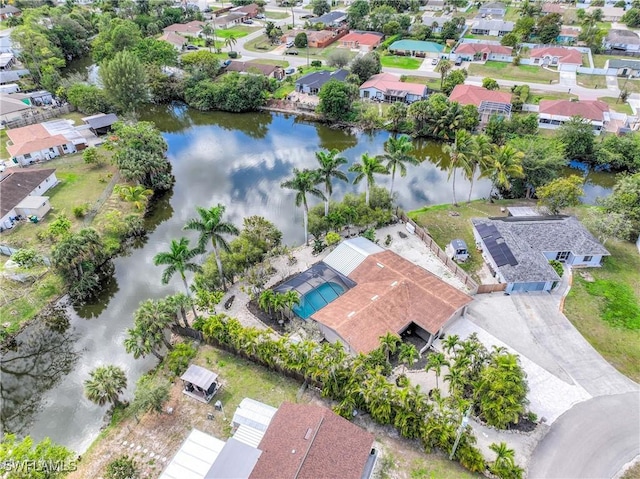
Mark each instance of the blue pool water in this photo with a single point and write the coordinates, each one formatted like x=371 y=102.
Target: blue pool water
x=317 y=299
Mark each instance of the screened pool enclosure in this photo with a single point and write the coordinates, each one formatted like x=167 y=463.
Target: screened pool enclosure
x=316 y=287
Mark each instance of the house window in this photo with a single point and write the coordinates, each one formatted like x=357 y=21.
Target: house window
x=27 y=156
x=587 y=259
x=562 y=256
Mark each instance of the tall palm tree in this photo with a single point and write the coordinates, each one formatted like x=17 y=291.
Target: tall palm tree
x=140 y=343
x=179 y=302
x=460 y=152
x=178 y=260
x=209 y=29
x=211 y=227
x=105 y=384
x=266 y=300
x=482 y=148
x=443 y=67
x=397 y=152
x=369 y=166
x=504 y=163
x=389 y=344
x=304 y=182
x=138 y=195
x=450 y=343
x=230 y=41
x=330 y=168
x=407 y=355
x=291 y=298
x=435 y=361
x=152 y=319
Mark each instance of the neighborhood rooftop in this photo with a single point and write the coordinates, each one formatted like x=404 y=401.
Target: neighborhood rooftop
x=589 y=109
x=17 y=184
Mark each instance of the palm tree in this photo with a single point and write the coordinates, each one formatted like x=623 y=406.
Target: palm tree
x=180 y=302
x=304 y=182
x=397 y=112
x=211 y=227
x=291 y=298
x=389 y=344
x=230 y=41
x=407 y=355
x=503 y=164
x=443 y=67
x=397 y=153
x=369 y=166
x=105 y=385
x=140 y=343
x=266 y=300
x=152 y=319
x=481 y=151
x=138 y=195
x=435 y=361
x=460 y=152
x=178 y=260
x=209 y=29
x=505 y=457
x=330 y=168
x=450 y=343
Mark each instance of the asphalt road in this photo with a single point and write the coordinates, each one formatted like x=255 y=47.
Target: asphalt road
x=591 y=440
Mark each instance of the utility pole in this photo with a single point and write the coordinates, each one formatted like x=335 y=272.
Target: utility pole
x=463 y=423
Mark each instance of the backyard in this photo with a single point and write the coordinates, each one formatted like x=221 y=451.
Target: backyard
x=508 y=71
x=405 y=63
x=616 y=105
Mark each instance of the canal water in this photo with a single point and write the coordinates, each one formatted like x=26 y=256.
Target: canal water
x=237 y=160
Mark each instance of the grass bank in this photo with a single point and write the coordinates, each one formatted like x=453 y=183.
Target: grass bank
x=405 y=63
x=507 y=71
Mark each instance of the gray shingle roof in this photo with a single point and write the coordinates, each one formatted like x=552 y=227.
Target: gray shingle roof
x=328 y=17
x=318 y=79
x=529 y=237
x=499 y=25
x=622 y=63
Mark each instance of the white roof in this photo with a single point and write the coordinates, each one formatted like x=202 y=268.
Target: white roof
x=194 y=458
x=253 y=414
x=350 y=254
x=248 y=435
x=32 y=202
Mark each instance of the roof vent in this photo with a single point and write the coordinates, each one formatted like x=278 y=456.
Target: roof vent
x=293 y=451
x=395 y=283
x=380 y=265
x=351 y=314
x=308 y=434
x=374 y=297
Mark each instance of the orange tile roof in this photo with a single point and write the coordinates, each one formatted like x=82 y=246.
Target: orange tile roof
x=37 y=144
x=362 y=38
x=388 y=299
x=589 y=109
x=386 y=81
x=475 y=95
x=565 y=55
x=173 y=38
x=473 y=48
x=26 y=133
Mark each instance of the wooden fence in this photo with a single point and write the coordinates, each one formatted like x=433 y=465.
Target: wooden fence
x=491 y=288
x=40 y=116
x=442 y=256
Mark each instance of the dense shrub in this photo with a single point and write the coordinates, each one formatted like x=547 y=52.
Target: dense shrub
x=557 y=266
x=123 y=467
x=178 y=360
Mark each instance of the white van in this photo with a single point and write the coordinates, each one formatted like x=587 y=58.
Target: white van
x=289 y=43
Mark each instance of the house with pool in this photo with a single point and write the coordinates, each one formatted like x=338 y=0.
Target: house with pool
x=362 y=291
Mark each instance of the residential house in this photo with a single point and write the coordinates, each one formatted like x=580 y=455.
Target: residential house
x=313 y=82
x=435 y=23
x=552 y=114
x=6 y=45
x=35 y=98
x=387 y=87
x=193 y=28
x=332 y=19
x=556 y=56
x=9 y=88
x=609 y=14
x=363 y=41
x=8 y=11
x=271 y=71
x=625 y=67
x=7 y=60
x=44 y=141
x=22 y=194
x=568 y=35
x=315 y=39
x=230 y=19
x=483 y=52
x=494 y=28
x=12 y=109
x=11 y=76
x=434 y=5
x=552 y=8
x=250 y=10
x=495 y=9
x=416 y=48
x=296 y=441
x=488 y=102
x=518 y=249
x=625 y=40
x=391 y=295
x=101 y=123
x=178 y=41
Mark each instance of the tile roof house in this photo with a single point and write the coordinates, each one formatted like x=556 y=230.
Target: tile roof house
x=305 y=441
x=556 y=56
x=44 y=141
x=192 y=28
x=484 y=52
x=316 y=39
x=416 y=48
x=8 y=11
x=178 y=41
x=488 y=102
x=552 y=8
x=518 y=249
x=494 y=28
x=392 y=295
x=609 y=14
x=568 y=35
x=250 y=10
x=625 y=67
x=363 y=41
x=22 y=193
x=554 y=113
x=313 y=82
x=387 y=87
x=625 y=40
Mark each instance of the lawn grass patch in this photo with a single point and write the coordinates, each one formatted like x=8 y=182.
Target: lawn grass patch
x=238 y=32
x=632 y=86
x=283 y=90
x=4 y=154
x=621 y=307
x=535 y=96
x=432 y=83
x=591 y=81
x=278 y=63
x=260 y=44
x=405 y=63
x=275 y=15
x=508 y=71
x=599 y=61
x=615 y=105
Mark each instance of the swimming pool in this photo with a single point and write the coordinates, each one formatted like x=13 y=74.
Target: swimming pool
x=317 y=299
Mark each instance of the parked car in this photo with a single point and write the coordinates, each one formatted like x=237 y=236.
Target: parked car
x=248 y=22
x=434 y=61
x=291 y=52
x=307 y=17
x=226 y=63
x=289 y=71
x=260 y=16
x=191 y=47
x=458 y=61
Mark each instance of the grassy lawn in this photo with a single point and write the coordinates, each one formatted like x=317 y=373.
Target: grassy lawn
x=278 y=63
x=283 y=90
x=443 y=227
x=600 y=60
x=615 y=106
x=535 y=96
x=512 y=15
x=4 y=155
x=406 y=63
x=432 y=83
x=507 y=71
x=260 y=44
x=275 y=15
x=586 y=307
x=239 y=31
x=632 y=86
x=591 y=81
x=471 y=36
